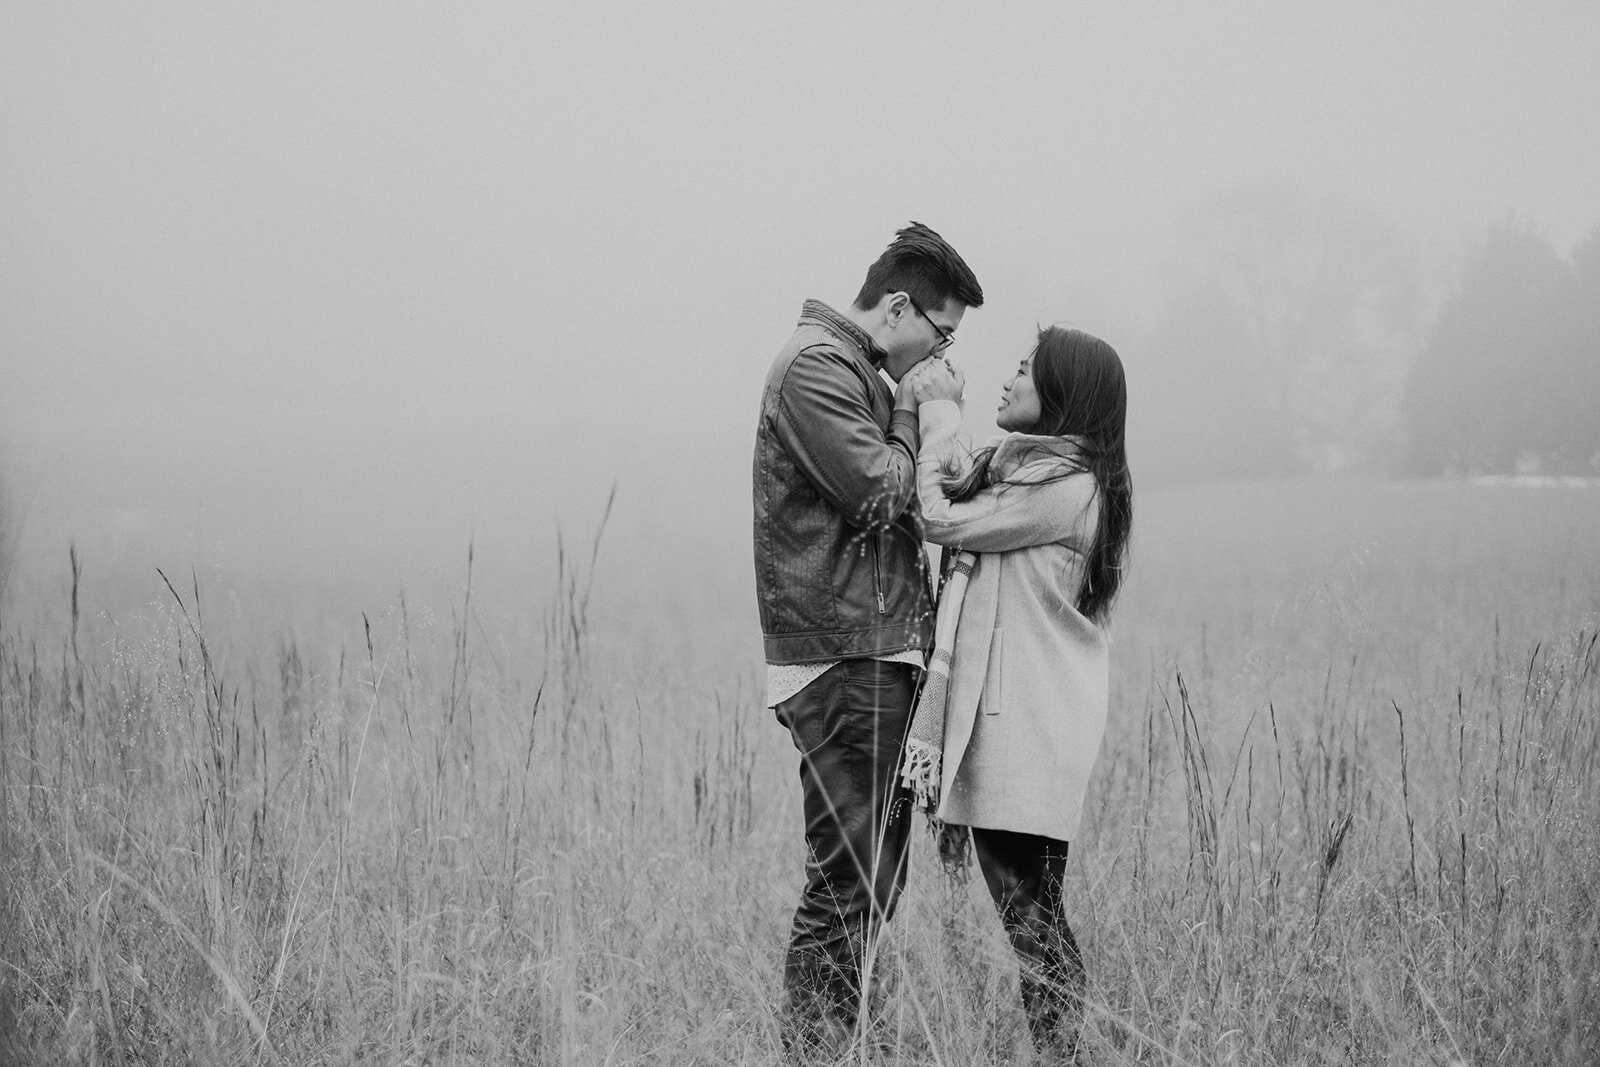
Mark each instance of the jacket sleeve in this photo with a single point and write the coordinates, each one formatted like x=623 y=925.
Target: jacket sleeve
x=996 y=519
x=824 y=420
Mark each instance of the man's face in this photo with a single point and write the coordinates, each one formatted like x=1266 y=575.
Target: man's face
x=916 y=333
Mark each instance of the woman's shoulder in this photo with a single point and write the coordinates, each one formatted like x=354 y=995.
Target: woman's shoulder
x=1037 y=456
x=1044 y=474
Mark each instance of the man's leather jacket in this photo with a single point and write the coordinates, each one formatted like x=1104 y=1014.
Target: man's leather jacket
x=840 y=570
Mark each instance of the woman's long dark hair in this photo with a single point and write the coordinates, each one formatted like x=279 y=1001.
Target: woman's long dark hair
x=1083 y=394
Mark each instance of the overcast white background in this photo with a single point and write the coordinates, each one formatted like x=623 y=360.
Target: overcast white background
x=323 y=291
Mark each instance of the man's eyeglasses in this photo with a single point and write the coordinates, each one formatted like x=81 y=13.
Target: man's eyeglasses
x=946 y=337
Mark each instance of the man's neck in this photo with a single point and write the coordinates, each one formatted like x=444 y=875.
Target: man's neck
x=870 y=322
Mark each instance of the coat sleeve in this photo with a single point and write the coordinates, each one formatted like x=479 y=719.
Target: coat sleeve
x=824 y=420
x=996 y=519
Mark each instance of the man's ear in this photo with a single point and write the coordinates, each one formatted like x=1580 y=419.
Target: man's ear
x=894 y=307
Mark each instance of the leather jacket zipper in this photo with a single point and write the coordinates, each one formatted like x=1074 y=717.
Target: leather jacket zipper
x=877 y=577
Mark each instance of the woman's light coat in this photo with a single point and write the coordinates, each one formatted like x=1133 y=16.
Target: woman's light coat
x=1029 y=673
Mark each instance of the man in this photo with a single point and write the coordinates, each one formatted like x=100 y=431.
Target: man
x=845 y=599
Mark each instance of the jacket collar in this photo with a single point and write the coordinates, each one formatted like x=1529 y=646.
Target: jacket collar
x=816 y=313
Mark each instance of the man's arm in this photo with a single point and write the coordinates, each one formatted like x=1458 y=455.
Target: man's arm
x=824 y=419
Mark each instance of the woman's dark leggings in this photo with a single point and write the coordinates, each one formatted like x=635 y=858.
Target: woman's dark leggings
x=1024 y=874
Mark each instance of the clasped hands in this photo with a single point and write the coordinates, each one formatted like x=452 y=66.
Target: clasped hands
x=935 y=378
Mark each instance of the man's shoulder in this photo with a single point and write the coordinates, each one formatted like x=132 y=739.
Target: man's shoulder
x=815 y=357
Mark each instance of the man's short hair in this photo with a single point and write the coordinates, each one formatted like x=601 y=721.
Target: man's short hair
x=920 y=262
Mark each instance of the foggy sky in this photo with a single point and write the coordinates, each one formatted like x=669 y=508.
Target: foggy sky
x=297 y=281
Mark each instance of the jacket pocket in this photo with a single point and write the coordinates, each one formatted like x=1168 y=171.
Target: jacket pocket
x=994 y=676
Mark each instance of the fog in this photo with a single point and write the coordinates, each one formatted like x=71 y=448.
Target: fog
x=309 y=298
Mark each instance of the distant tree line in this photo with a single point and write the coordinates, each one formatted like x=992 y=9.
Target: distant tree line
x=1302 y=336
x=7 y=534
x=1282 y=345
x=1509 y=379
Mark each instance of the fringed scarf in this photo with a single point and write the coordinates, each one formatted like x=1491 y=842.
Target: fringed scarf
x=924 y=757
x=923 y=766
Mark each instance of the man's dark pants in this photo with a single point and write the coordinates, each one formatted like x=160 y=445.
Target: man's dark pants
x=849 y=725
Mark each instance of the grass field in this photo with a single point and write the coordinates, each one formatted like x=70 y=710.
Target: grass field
x=1347 y=812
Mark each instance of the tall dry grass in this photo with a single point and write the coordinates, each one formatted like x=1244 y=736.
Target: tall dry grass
x=425 y=847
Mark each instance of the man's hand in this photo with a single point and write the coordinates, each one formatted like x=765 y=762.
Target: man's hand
x=934 y=379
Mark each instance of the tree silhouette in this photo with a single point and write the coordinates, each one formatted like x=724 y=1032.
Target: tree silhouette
x=1283 y=343
x=1509 y=379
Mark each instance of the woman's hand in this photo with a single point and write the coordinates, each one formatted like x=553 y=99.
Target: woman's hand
x=933 y=379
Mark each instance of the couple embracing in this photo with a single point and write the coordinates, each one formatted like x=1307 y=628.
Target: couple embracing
x=989 y=711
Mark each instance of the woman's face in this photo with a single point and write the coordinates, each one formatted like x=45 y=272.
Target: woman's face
x=1019 y=400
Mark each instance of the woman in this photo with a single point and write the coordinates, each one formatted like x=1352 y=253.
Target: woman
x=1016 y=693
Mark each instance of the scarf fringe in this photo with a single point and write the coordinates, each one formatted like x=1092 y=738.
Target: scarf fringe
x=920 y=773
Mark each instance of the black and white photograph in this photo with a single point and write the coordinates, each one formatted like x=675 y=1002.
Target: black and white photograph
x=723 y=533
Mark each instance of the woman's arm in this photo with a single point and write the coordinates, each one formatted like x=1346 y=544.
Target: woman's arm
x=998 y=518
